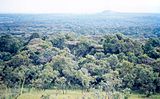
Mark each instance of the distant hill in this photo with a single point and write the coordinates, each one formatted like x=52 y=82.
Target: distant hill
x=108 y=11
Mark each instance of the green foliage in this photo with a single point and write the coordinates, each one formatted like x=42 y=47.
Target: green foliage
x=113 y=61
x=127 y=93
x=58 y=41
x=117 y=44
x=152 y=48
x=5 y=56
x=19 y=59
x=121 y=63
x=9 y=44
x=156 y=65
x=82 y=49
x=145 y=78
x=34 y=35
x=126 y=73
x=84 y=77
x=45 y=77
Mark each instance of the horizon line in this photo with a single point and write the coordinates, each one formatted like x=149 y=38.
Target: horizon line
x=105 y=11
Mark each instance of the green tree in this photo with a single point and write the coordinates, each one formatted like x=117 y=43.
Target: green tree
x=5 y=56
x=145 y=78
x=113 y=61
x=62 y=82
x=46 y=77
x=10 y=44
x=151 y=48
x=19 y=59
x=111 y=82
x=84 y=77
x=117 y=44
x=58 y=41
x=126 y=74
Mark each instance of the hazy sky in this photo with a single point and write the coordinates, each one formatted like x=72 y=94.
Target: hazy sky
x=78 y=6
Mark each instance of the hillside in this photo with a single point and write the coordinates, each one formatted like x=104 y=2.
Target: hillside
x=111 y=63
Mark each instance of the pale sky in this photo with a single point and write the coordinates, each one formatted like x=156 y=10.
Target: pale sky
x=78 y=6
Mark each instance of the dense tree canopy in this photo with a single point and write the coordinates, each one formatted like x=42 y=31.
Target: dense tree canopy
x=110 y=63
x=9 y=44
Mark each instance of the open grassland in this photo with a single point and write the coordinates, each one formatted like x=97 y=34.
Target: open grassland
x=73 y=94
x=69 y=94
x=140 y=96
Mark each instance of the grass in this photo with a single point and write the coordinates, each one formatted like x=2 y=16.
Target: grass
x=72 y=94
x=69 y=94
x=140 y=96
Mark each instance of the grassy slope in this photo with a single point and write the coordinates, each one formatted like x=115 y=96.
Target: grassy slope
x=53 y=94
x=140 y=96
x=69 y=94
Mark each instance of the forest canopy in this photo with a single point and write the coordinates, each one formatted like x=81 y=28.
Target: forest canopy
x=110 y=62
